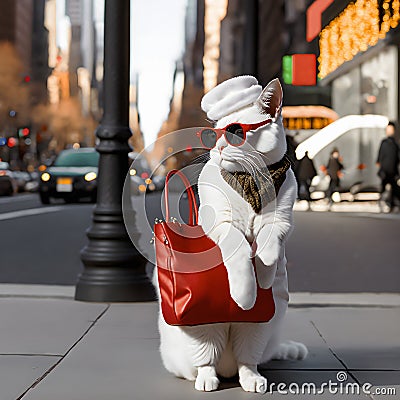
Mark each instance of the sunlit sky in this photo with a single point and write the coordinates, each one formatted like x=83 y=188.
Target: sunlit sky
x=157 y=42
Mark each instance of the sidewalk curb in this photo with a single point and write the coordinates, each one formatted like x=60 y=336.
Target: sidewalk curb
x=297 y=299
x=40 y=291
x=367 y=299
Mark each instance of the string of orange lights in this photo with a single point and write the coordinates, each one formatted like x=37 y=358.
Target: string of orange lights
x=357 y=28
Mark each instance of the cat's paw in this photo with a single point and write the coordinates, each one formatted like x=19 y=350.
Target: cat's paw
x=242 y=283
x=241 y=276
x=256 y=384
x=290 y=350
x=206 y=384
x=250 y=379
x=270 y=253
x=206 y=380
x=265 y=275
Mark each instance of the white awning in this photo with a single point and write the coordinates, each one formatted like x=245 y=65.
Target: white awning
x=330 y=133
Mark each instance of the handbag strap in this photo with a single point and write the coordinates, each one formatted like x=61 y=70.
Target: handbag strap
x=191 y=198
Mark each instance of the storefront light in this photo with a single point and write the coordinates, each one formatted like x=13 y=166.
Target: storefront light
x=353 y=31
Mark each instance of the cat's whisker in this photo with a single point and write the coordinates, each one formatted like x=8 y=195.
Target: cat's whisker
x=252 y=169
x=255 y=161
x=200 y=159
x=254 y=154
x=259 y=171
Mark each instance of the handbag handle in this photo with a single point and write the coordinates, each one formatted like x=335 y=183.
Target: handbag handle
x=191 y=198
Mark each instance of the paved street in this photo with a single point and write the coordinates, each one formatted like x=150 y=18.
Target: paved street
x=328 y=252
x=41 y=244
x=344 y=252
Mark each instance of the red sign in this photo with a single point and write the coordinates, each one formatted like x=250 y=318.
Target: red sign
x=304 y=69
x=314 y=14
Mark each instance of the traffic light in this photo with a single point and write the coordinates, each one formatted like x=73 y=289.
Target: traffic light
x=11 y=142
x=24 y=132
x=24 y=135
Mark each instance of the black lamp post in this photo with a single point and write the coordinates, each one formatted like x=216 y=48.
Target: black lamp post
x=113 y=269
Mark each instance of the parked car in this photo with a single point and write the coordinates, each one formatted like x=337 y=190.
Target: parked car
x=8 y=185
x=72 y=176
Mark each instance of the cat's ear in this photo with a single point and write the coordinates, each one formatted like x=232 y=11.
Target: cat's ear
x=270 y=99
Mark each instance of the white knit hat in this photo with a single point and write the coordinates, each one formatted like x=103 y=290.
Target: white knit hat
x=245 y=94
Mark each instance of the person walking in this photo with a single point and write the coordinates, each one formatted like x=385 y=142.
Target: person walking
x=388 y=163
x=334 y=170
x=305 y=174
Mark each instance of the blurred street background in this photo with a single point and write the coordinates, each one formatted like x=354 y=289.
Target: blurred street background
x=338 y=64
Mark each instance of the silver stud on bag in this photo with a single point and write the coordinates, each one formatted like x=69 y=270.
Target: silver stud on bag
x=175 y=221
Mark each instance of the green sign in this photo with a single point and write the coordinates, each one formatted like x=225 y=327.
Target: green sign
x=287 y=70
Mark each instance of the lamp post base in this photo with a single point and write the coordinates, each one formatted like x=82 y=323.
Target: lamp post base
x=114 y=271
x=114 y=285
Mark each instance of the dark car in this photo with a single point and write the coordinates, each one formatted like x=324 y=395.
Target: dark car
x=7 y=182
x=72 y=176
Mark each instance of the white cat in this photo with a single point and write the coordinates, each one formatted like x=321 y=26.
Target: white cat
x=202 y=352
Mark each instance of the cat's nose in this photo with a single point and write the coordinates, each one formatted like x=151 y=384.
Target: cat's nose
x=220 y=148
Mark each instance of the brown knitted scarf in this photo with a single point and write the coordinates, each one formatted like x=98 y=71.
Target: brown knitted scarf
x=257 y=190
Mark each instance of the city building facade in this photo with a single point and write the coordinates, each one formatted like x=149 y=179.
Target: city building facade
x=359 y=46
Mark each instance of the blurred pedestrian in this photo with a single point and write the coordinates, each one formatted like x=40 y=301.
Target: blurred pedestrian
x=388 y=163
x=291 y=148
x=305 y=174
x=334 y=169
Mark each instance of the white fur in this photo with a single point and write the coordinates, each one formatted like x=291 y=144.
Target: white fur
x=201 y=352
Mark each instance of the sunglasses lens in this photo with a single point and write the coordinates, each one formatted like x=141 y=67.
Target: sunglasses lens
x=208 y=138
x=235 y=134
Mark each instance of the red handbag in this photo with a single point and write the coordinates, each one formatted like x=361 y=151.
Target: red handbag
x=192 y=278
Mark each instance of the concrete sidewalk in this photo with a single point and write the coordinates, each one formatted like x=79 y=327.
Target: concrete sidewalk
x=52 y=347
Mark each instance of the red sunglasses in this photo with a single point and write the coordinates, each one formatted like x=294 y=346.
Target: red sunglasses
x=235 y=134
